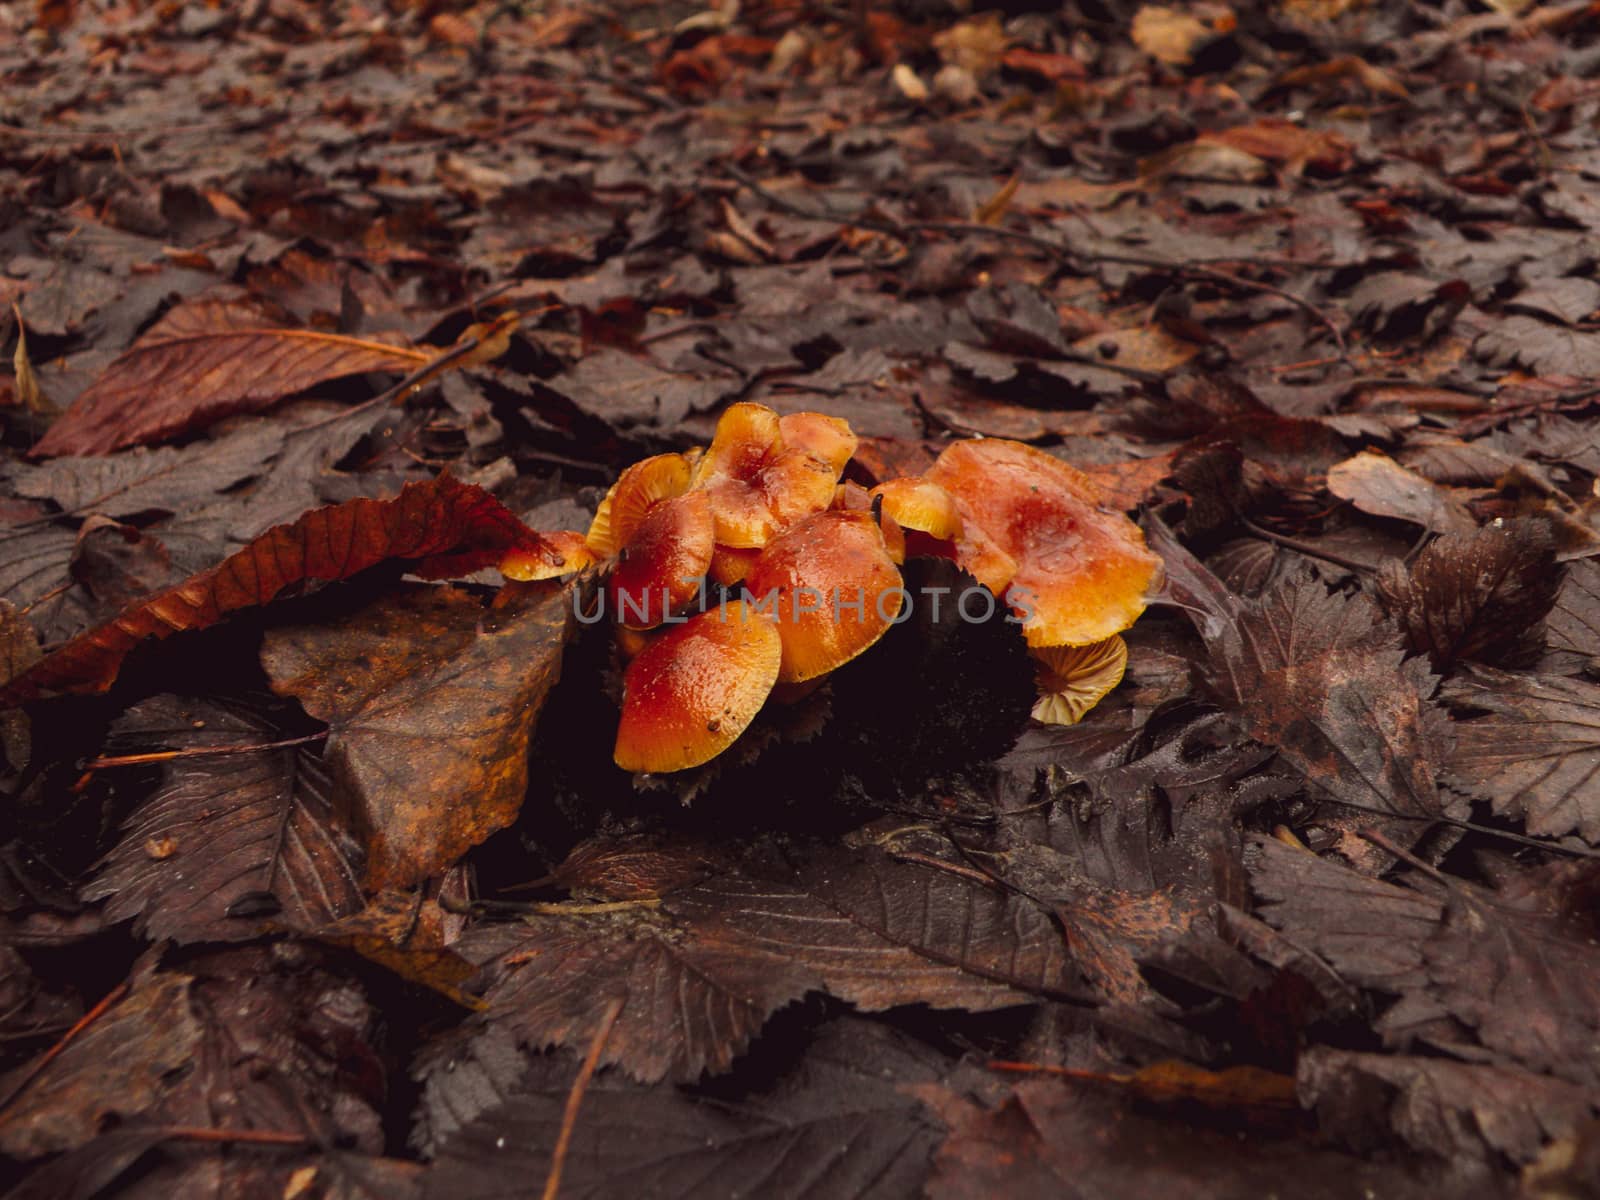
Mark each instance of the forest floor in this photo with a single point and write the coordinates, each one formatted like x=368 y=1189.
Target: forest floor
x=316 y=874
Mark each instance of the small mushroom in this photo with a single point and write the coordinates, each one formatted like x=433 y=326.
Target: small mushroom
x=832 y=588
x=636 y=491
x=1082 y=570
x=1073 y=679
x=560 y=553
x=921 y=505
x=690 y=693
x=757 y=485
x=660 y=566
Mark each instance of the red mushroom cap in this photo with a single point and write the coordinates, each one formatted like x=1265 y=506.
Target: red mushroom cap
x=1082 y=571
x=832 y=588
x=695 y=688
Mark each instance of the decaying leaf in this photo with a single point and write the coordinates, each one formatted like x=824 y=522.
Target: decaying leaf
x=229 y=839
x=845 y=1120
x=444 y=526
x=1481 y=595
x=430 y=701
x=701 y=973
x=1535 y=750
x=203 y=361
x=1376 y=484
x=1323 y=678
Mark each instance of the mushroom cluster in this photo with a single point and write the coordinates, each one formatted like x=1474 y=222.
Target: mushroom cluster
x=806 y=572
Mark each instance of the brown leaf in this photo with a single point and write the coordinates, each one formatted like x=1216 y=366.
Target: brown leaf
x=223 y=833
x=702 y=972
x=445 y=526
x=1535 y=752
x=843 y=1121
x=1481 y=595
x=1052 y=1139
x=1322 y=677
x=1376 y=484
x=203 y=361
x=1463 y=1112
x=115 y=1067
x=430 y=700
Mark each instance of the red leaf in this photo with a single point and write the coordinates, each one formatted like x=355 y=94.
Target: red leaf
x=447 y=527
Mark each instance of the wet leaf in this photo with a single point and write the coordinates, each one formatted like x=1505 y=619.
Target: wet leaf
x=843 y=1121
x=702 y=972
x=115 y=1068
x=1534 y=752
x=222 y=829
x=203 y=361
x=1376 y=484
x=1323 y=678
x=1481 y=595
x=446 y=527
x=430 y=700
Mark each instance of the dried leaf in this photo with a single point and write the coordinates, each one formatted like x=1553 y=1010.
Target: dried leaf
x=430 y=701
x=844 y=1121
x=702 y=972
x=1462 y=1112
x=447 y=527
x=1376 y=484
x=1481 y=595
x=142 y=481
x=1535 y=753
x=224 y=831
x=1052 y=1138
x=203 y=361
x=115 y=1067
x=1324 y=679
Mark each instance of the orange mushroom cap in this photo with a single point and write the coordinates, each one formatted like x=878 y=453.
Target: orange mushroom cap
x=1073 y=679
x=561 y=553
x=729 y=566
x=821 y=436
x=692 y=691
x=1082 y=571
x=662 y=562
x=642 y=486
x=832 y=588
x=757 y=485
x=922 y=505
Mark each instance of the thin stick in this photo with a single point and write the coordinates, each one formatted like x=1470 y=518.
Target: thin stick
x=1307 y=548
x=50 y=1055
x=255 y=1137
x=155 y=756
x=569 y=1117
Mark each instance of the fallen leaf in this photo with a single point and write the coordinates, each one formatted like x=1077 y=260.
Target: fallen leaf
x=115 y=1068
x=1323 y=678
x=844 y=1121
x=1534 y=752
x=203 y=361
x=1376 y=484
x=1480 y=595
x=224 y=832
x=446 y=527
x=430 y=699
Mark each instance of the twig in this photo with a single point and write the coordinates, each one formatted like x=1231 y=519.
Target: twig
x=50 y=1055
x=569 y=1117
x=1307 y=548
x=155 y=756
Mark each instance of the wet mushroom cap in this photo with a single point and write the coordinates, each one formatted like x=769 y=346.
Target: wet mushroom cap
x=637 y=490
x=560 y=553
x=695 y=688
x=832 y=588
x=1082 y=572
x=922 y=505
x=660 y=567
x=821 y=436
x=757 y=485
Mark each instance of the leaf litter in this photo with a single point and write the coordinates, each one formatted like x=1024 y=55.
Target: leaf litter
x=318 y=877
